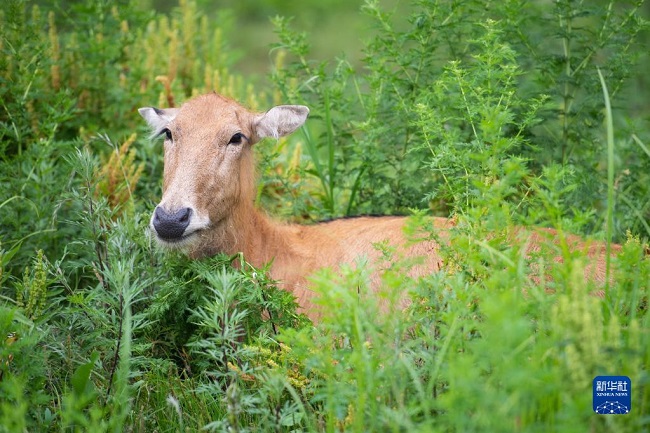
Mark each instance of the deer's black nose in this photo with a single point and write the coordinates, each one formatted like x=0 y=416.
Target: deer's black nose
x=170 y=226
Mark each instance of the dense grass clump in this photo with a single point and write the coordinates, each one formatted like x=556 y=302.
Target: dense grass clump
x=495 y=114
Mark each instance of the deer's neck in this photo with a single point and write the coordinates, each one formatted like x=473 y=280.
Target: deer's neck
x=249 y=231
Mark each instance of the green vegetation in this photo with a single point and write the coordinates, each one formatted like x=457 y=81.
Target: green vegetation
x=495 y=114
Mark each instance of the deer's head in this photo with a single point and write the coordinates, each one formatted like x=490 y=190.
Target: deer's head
x=208 y=161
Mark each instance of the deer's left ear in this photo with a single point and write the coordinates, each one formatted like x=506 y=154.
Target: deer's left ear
x=156 y=118
x=280 y=121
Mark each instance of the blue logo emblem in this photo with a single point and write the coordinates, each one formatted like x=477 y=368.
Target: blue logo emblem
x=612 y=395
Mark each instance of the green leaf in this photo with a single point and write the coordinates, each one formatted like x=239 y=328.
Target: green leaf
x=81 y=378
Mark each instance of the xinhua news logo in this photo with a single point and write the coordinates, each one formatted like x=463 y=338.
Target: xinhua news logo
x=612 y=395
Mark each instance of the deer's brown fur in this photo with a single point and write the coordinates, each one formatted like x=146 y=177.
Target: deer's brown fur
x=208 y=201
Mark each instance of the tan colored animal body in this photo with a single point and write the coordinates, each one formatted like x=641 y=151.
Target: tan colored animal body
x=208 y=200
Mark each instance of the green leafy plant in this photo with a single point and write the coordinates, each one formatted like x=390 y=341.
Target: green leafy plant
x=459 y=90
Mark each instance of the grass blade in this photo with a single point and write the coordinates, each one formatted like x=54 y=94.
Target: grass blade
x=610 y=175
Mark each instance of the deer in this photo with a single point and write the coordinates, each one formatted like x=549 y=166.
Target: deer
x=208 y=203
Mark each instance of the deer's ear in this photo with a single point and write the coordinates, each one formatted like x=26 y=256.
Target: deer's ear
x=280 y=121
x=156 y=118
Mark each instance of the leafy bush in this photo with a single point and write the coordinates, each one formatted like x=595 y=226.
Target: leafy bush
x=466 y=87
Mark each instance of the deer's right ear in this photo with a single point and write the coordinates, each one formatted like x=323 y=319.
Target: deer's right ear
x=156 y=118
x=280 y=121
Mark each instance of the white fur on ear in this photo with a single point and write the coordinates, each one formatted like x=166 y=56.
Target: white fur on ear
x=157 y=118
x=281 y=120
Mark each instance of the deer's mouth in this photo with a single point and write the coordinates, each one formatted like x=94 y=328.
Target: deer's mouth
x=178 y=239
x=177 y=228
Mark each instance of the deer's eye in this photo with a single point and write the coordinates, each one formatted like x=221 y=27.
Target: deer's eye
x=167 y=132
x=237 y=138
